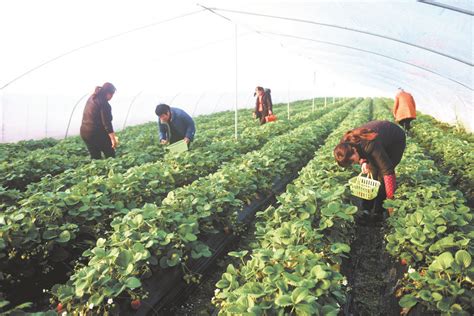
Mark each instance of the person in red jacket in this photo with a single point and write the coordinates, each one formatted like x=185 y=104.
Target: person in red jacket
x=404 y=109
x=263 y=104
x=96 y=128
x=378 y=147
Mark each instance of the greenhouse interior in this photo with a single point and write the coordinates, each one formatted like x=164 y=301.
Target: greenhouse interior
x=237 y=157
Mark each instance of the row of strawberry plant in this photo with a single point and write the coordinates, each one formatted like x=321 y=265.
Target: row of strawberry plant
x=172 y=172
x=455 y=155
x=142 y=148
x=295 y=269
x=121 y=164
x=139 y=145
x=33 y=232
x=154 y=237
x=72 y=153
x=9 y=151
x=431 y=230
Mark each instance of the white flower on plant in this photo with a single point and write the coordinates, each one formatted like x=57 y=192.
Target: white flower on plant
x=110 y=301
x=91 y=305
x=411 y=270
x=344 y=282
x=64 y=314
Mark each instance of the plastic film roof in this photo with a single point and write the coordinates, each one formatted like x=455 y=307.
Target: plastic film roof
x=207 y=56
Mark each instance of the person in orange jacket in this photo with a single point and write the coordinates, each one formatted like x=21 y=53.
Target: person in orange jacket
x=404 y=109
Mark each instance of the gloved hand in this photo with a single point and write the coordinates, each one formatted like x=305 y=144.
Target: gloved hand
x=365 y=167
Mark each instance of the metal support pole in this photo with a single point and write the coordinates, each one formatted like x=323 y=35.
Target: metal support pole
x=129 y=107
x=2 y=103
x=46 y=118
x=72 y=112
x=236 y=83
x=325 y=101
x=288 y=107
x=314 y=86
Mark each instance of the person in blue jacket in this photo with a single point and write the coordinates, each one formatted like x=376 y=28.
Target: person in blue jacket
x=174 y=125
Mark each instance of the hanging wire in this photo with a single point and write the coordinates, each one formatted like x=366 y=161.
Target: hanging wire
x=368 y=52
x=213 y=10
x=72 y=112
x=129 y=107
x=197 y=102
x=108 y=38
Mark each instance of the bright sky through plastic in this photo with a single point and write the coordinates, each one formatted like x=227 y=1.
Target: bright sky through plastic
x=179 y=53
x=190 y=53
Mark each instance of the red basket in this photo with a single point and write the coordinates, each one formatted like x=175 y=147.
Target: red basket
x=270 y=118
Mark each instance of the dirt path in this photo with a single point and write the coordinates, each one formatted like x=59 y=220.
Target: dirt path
x=372 y=274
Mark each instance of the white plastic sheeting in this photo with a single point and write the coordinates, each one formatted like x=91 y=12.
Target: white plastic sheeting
x=55 y=52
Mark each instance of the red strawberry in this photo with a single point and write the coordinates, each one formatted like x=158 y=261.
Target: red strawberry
x=403 y=262
x=59 y=308
x=135 y=304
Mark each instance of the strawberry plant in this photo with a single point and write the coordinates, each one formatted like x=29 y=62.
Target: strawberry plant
x=431 y=230
x=159 y=237
x=296 y=268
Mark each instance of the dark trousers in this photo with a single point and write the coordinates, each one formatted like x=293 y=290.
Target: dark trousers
x=395 y=152
x=261 y=117
x=98 y=143
x=405 y=123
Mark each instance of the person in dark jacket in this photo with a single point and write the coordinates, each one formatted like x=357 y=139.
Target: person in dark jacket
x=174 y=125
x=378 y=147
x=96 y=128
x=263 y=104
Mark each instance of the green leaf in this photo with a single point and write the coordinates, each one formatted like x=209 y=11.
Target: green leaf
x=319 y=272
x=425 y=295
x=124 y=259
x=100 y=242
x=408 y=301
x=96 y=299
x=18 y=217
x=340 y=247
x=50 y=234
x=222 y=284
x=238 y=254
x=444 y=304
x=299 y=294
x=330 y=310
x=305 y=309
x=133 y=283
x=65 y=236
x=436 y=296
x=463 y=258
x=442 y=262
x=283 y=300
x=190 y=237
x=4 y=303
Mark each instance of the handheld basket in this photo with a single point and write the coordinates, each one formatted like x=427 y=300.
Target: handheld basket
x=178 y=147
x=270 y=118
x=364 y=187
